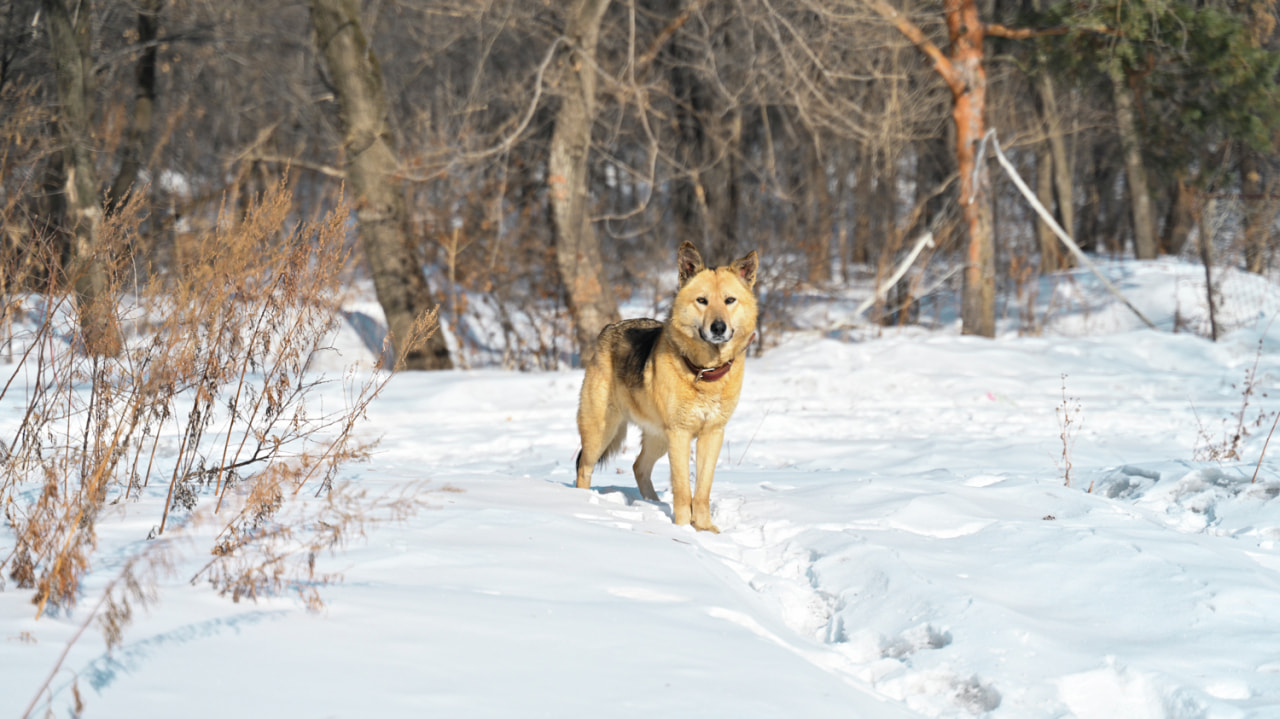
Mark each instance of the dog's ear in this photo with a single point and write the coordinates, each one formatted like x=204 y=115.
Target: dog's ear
x=690 y=262
x=746 y=268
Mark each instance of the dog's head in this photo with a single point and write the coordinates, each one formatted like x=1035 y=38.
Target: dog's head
x=716 y=305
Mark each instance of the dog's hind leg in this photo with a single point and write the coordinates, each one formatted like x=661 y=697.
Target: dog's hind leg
x=601 y=438
x=652 y=447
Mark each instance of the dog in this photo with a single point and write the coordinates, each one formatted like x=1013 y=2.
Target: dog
x=678 y=380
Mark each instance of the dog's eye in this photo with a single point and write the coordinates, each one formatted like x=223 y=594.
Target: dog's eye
x=702 y=300
x=730 y=300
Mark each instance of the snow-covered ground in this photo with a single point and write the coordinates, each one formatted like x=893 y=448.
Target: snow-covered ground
x=897 y=541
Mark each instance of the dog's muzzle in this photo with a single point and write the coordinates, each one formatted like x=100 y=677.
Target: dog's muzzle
x=718 y=334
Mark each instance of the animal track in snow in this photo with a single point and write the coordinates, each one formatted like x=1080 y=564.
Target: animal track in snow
x=772 y=557
x=925 y=636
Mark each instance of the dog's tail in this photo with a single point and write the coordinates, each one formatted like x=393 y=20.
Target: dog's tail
x=614 y=446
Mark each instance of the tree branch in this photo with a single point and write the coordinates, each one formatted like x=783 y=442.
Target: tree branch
x=995 y=29
x=912 y=32
x=656 y=46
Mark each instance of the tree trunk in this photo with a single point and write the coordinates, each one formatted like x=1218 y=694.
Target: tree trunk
x=969 y=92
x=818 y=235
x=1059 y=171
x=863 y=200
x=587 y=291
x=135 y=140
x=1144 y=226
x=884 y=211
x=1059 y=168
x=1204 y=221
x=1051 y=258
x=370 y=159
x=965 y=75
x=1257 y=225
x=70 y=41
x=1182 y=217
x=720 y=188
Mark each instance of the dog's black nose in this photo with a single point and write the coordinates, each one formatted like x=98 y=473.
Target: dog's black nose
x=718 y=328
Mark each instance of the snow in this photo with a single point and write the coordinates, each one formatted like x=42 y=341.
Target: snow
x=897 y=541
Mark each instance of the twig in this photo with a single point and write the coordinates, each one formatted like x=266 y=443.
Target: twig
x=753 y=435
x=1258 y=467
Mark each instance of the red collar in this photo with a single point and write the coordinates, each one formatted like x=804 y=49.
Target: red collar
x=707 y=374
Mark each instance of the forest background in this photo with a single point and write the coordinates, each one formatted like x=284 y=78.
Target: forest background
x=539 y=161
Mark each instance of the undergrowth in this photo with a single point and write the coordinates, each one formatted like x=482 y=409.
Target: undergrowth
x=206 y=419
x=1069 y=417
x=1225 y=444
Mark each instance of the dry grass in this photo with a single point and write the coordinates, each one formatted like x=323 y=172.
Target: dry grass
x=1069 y=414
x=1226 y=444
x=203 y=417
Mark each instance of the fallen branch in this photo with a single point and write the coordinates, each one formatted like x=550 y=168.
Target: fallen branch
x=925 y=240
x=1053 y=224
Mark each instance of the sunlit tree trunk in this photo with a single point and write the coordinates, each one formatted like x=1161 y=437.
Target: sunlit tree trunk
x=370 y=160
x=1135 y=171
x=818 y=234
x=962 y=70
x=590 y=299
x=968 y=84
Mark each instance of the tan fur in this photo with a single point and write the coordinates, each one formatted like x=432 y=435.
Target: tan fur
x=638 y=375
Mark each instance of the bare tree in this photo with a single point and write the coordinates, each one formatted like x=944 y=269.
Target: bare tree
x=586 y=287
x=1135 y=170
x=132 y=159
x=71 y=41
x=370 y=160
x=962 y=70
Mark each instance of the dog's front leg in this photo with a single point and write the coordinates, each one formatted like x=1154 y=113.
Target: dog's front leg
x=708 y=452
x=678 y=442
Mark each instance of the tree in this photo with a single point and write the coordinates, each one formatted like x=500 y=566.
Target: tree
x=1053 y=169
x=370 y=159
x=131 y=161
x=1189 y=80
x=70 y=41
x=1135 y=169
x=590 y=299
x=963 y=71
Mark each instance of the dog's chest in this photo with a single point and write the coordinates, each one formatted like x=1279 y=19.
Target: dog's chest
x=705 y=410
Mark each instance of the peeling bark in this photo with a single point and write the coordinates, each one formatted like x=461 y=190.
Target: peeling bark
x=962 y=70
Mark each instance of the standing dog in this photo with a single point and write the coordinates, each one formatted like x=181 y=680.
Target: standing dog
x=678 y=380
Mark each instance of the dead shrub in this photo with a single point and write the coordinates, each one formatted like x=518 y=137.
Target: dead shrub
x=204 y=417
